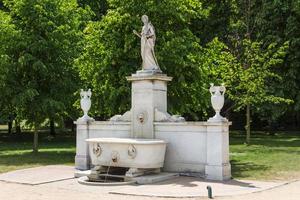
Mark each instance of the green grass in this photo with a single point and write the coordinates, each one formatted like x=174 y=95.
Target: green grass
x=268 y=157
x=16 y=151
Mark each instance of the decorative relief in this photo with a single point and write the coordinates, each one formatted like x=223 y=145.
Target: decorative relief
x=126 y=117
x=97 y=149
x=115 y=156
x=132 y=151
x=166 y=117
x=142 y=117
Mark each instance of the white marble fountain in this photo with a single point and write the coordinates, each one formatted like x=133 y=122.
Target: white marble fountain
x=147 y=139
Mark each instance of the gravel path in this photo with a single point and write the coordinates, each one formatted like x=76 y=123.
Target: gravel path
x=58 y=183
x=13 y=191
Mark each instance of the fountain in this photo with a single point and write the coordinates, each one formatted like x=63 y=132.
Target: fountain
x=147 y=138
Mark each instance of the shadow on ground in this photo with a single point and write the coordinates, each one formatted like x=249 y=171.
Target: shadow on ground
x=242 y=169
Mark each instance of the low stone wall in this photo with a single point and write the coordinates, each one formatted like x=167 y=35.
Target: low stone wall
x=186 y=148
x=201 y=147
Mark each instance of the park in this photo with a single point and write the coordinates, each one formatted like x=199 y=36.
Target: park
x=153 y=100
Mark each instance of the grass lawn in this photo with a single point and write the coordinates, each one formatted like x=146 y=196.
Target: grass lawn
x=269 y=157
x=16 y=151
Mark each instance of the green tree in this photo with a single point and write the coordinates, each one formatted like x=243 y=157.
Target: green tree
x=8 y=35
x=279 y=21
x=112 y=52
x=99 y=7
x=39 y=77
x=249 y=75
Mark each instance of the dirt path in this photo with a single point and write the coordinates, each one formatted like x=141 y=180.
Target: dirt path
x=13 y=191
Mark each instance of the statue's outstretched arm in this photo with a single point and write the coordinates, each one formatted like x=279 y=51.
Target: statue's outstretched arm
x=136 y=33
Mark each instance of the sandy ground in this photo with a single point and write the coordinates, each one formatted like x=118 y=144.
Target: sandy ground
x=13 y=191
x=57 y=183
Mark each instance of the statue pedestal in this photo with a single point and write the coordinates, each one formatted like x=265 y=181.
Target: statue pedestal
x=217 y=141
x=149 y=92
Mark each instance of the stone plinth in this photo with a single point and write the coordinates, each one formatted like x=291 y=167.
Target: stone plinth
x=217 y=141
x=149 y=92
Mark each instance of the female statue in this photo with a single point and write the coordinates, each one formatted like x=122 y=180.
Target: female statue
x=147 y=45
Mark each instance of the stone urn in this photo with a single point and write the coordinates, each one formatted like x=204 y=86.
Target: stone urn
x=217 y=101
x=85 y=104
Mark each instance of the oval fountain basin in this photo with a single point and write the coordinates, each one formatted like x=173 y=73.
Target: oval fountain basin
x=127 y=152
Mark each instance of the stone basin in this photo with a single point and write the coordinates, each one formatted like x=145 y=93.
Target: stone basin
x=127 y=152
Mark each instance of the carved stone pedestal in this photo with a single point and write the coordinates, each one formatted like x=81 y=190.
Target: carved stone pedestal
x=149 y=92
x=218 y=165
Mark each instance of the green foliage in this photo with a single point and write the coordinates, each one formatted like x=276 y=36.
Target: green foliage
x=285 y=16
x=41 y=41
x=272 y=22
x=99 y=7
x=249 y=77
x=39 y=77
x=112 y=52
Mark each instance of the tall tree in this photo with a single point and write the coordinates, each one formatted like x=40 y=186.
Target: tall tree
x=40 y=76
x=8 y=35
x=279 y=21
x=256 y=62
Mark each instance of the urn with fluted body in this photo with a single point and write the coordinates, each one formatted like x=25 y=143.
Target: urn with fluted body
x=85 y=104
x=217 y=101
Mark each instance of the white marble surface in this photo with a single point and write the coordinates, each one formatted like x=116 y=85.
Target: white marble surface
x=148 y=93
x=127 y=152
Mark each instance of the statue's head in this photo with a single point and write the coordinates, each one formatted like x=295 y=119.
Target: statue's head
x=145 y=19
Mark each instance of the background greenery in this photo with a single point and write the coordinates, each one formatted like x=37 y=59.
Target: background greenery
x=52 y=48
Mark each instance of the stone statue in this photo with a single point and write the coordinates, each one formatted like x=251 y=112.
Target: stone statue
x=147 y=45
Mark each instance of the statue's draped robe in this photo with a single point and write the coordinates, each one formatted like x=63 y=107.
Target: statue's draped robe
x=147 y=48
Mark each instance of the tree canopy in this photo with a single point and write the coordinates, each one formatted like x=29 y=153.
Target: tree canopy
x=51 y=48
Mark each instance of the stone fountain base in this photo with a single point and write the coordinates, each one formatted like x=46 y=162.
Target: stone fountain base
x=193 y=147
x=111 y=180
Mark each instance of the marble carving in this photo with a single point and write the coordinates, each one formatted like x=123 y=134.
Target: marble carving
x=85 y=104
x=217 y=101
x=148 y=38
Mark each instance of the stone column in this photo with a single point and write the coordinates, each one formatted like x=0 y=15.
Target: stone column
x=149 y=92
x=82 y=158
x=218 y=165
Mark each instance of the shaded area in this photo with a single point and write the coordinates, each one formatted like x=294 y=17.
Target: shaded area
x=268 y=156
x=16 y=150
x=242 y=169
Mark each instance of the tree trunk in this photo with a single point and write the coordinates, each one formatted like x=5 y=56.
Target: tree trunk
x=9 y=124
x=52 y=128
x=18 y=129
x=73 y=128
x=35 y=140
x=18 y=126
x=248 y=124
